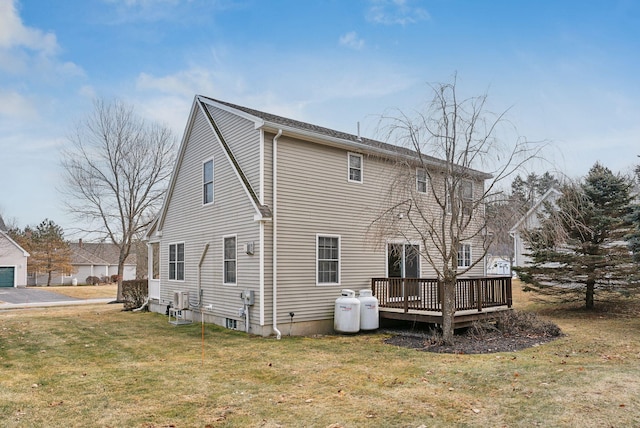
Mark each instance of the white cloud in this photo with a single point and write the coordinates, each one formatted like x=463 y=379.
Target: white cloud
x=188 y=82
x=395 y=12
x=14 y=34
x=16 y=106
x=351 y=40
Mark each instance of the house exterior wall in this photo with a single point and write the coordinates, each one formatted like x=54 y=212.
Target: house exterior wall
x=190 y=222
x=314 y=197
x=13 y=257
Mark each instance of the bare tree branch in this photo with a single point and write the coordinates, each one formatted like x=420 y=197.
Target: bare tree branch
x=116 y=170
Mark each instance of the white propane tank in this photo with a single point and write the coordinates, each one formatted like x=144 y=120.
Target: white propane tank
x=347 y=313
x=369 y=319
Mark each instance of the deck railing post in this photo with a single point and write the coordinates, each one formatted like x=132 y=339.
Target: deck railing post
x=509 y=292
x=478 y=286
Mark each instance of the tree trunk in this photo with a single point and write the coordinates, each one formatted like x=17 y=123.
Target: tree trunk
x=448 y=308
x=590 y=293
x=48 y=278
x=120 y=296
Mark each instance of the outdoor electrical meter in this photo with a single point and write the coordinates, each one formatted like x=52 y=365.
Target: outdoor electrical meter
x=248 y=297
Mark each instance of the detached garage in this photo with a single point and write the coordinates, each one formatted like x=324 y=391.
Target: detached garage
x=7 y=276
x=13 y=262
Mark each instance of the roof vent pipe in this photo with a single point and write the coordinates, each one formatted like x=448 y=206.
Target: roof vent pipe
x=359 y=138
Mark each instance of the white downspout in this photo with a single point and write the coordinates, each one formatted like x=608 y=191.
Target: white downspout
x=275 y=235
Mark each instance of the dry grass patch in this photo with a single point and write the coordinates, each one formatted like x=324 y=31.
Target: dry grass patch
x=107 y=291
x=98 y=366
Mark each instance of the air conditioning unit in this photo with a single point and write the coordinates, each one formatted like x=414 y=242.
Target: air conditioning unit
x=181 y=300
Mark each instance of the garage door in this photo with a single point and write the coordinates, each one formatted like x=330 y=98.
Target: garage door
x=6 y=276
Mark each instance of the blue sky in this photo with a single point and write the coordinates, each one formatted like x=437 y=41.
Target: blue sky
x=569 y=71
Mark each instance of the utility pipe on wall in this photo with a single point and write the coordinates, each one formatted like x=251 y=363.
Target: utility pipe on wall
x=275 y=235
x=204 y=253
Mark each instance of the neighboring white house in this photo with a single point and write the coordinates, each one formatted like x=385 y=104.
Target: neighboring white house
x=529 y=221
x=498 y=265
x=266 y=220
x=13 y=262
x=97 y=259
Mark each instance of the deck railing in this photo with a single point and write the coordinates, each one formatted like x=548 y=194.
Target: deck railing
x=421 y=294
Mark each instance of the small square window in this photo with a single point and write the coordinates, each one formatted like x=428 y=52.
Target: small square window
x=355 y=167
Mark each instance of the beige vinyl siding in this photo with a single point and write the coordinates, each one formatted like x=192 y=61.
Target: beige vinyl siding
x=315 y=197
x=243 y=140
x=188 y=221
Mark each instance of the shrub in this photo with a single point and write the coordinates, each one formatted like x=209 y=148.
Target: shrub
x=134 y=293
x=114 y=278
x=92 y=280
x=526 y=322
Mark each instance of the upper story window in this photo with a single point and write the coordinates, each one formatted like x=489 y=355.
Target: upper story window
x=355 y=167
x=328 y=259
x=464 y=199
x=207 y=182
x=464 y=255
x=230 y=258
x=176 y=262
x=421 y=180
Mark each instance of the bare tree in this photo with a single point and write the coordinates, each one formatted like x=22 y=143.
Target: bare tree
x=439 y=193
x=116 y=171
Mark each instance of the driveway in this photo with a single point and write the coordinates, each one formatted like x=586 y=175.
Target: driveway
x=11 y=298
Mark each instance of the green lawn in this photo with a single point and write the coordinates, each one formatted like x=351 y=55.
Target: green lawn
x=98 y=366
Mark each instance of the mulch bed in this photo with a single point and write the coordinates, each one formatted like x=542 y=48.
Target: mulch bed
x=490 y=342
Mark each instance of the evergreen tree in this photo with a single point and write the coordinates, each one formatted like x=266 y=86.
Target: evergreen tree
x=50 y=253
x=578 y=251
x=634 y=218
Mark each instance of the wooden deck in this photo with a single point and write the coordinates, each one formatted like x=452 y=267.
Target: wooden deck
x=419 y=299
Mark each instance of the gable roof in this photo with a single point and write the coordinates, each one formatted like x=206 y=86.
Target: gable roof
x=551 y=195
x=6 y=236
x=291 y=127
x=97 y=253
x=328 y=136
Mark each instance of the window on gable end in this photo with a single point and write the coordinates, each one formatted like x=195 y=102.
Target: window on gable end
x=355 y=167
x=207 y=182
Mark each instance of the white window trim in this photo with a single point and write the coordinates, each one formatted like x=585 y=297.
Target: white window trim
x=225 y=237
x=463 y=244
x=328 y=235
x=349 y=154
x=426 y=181
x=213 y=171
x=184 y=264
